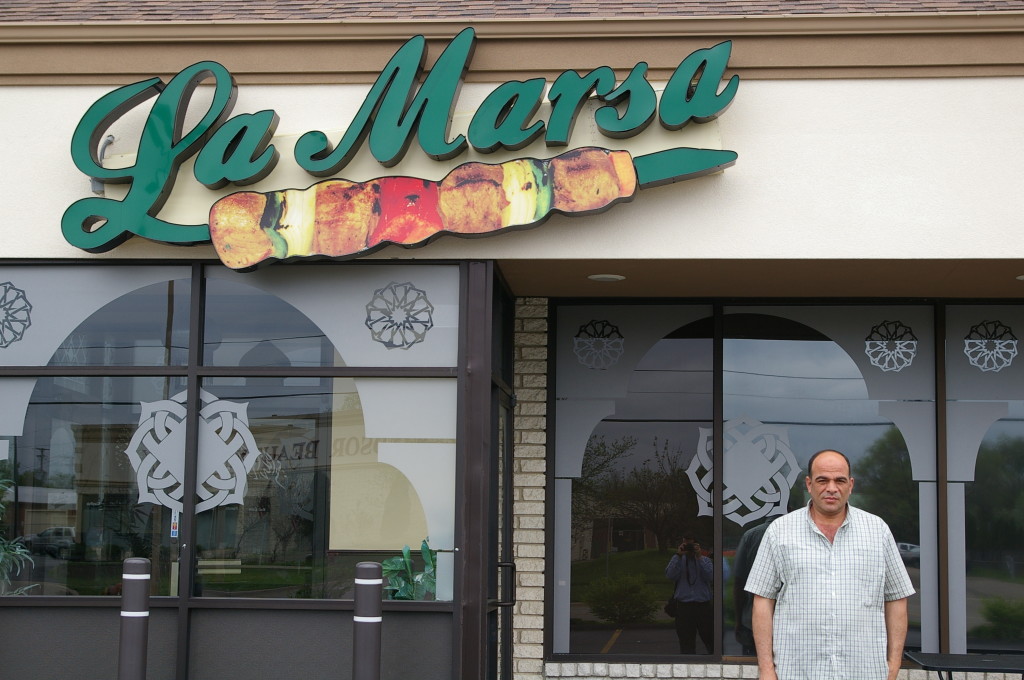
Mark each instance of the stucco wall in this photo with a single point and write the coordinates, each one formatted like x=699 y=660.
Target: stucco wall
x=902 y=168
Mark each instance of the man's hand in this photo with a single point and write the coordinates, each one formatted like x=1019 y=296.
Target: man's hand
x=895 y=634
x=763 y=621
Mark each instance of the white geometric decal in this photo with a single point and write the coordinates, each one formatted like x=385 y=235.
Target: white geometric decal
x=227 y=452
x=990 y=346
x=891 y=346
x=760 y=469
x=598 y=345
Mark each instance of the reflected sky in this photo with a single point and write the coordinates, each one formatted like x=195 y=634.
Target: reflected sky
x=811 y=388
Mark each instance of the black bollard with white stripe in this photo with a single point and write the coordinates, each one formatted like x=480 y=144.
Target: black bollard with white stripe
x=131 y=662
x=366 y=622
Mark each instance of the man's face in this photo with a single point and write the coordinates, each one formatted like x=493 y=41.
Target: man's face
x=829 y=484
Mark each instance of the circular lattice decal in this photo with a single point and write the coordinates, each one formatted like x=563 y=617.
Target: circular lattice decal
x=399 y=315
x=990 y=346
x=15 y=315
x=598 y=345
x=760 y=469
x=227 y=452
x=891 y=346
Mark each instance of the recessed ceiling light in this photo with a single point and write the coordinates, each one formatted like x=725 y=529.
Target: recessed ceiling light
x=606 y=277
x=1021 y=277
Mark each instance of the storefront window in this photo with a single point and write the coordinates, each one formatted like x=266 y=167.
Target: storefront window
x=632 y=473
x=76 y=505
x=635 y=456
x=985 y=426
x=797 y=380
x=301 y=479
x=298 y=477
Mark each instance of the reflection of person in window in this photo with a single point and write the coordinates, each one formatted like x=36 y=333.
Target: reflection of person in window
x=743 y=601
x=692 y=573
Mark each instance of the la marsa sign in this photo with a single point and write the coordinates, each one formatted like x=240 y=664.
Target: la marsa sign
x=338 y=218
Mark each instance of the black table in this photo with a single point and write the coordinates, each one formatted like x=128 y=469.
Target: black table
x=967 y=663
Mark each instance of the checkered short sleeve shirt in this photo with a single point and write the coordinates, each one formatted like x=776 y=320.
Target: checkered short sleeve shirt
x=829 y=618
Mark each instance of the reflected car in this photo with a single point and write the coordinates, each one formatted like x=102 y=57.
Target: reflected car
x=58 y=542
x=911 y=554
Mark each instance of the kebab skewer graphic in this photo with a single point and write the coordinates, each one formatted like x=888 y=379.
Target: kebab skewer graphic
x=341 y=219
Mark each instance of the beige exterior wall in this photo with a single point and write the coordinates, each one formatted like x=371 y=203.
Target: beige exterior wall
x=879 y=155
x=918 y=169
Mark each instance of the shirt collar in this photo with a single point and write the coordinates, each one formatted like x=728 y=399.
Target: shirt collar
x=846 y=520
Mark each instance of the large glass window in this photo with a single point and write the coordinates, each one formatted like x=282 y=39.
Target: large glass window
x=797 y=380
x=300 y=479
x=633 y=476
x=985 y=460
x=638 y=449
x=76 y=505
x=297 y=475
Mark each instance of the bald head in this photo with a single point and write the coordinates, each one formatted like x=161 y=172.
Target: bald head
x=829 y=483
x=810 y=463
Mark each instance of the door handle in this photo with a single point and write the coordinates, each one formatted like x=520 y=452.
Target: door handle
x=510 y=584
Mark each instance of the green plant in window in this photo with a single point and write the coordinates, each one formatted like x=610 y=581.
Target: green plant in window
x=13 y=555
x=404 y=581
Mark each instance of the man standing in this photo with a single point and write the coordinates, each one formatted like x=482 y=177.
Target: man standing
x=830 y=590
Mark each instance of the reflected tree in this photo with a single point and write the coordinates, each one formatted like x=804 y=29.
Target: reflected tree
x=600 y=461
x=884 y=485
x=655 y=493
x=995 y=501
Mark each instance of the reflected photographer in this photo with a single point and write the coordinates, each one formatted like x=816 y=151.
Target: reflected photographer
x=693 y=575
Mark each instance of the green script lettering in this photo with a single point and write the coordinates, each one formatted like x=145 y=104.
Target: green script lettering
x=568 y=94
x=684 y=100
x=100 y=224
x=501 y=120
x=641 y=104
x=388 y=116
x=239 y=152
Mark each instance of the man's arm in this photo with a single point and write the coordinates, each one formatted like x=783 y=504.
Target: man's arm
x=895 y=634
x=763 y=615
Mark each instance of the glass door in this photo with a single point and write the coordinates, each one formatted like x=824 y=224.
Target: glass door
x=502 y=595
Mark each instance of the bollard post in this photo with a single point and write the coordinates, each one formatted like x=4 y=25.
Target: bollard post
x=366 y=622
x=131 y=661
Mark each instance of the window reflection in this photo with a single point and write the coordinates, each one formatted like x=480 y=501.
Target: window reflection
x=795 y=380
x=146 y=327
x=298 y=478
x=248 y=327
x=985 y=468
x=634 y=503
x=76 y=507
x=994 y=528
x=790 y=391
x=294 y=489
